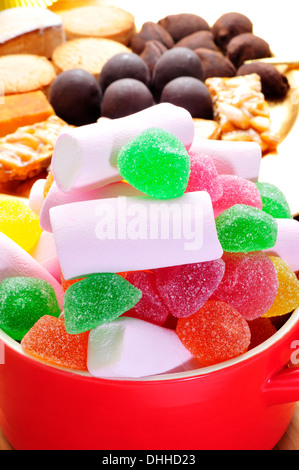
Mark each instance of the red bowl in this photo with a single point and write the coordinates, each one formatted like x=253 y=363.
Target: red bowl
x=245 y=403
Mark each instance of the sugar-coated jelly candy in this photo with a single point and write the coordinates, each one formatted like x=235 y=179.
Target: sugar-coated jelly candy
x=23 y=301
x=215 y=333
x=48 y=341
x=184 y=289
x=274 y=201
x=203 y=175
x=130 y=347
x=155 y=162
x=98 y=299
x=243 y=228
x=249 y=283
x=19 y=222
x=261 y=329
x=236 y=190
x=150 y=307
x=287 y=298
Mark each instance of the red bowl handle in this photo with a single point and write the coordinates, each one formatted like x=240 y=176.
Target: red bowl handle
x=283 y=387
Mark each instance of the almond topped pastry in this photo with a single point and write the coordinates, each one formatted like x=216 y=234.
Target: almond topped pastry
x=28 y=151
x=241 y=110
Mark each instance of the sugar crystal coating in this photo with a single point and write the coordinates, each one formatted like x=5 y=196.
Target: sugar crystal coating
x=98 y=299
x=249 y=284
x=184 y=289
x=236 y=190
x=150 y=307
x=215 y=333
x=48 y=340
x=156 y=163
x=274 y=201
x=243 y=228
x=19 y=222
x=261 y=329
x=287 y=298
x=23 y=301
x=204 y=176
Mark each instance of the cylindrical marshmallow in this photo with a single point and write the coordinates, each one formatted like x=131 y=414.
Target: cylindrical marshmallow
x=129 y=347
x=128 y=234
x=85 y=158
x=45 y=254
x=16 y=262
x=232 y=158
x=36 y=196
x=287 y=242
x=56 y=197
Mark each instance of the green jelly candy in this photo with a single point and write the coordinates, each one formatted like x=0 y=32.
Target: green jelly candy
x=23 y=301
x=156 y=163
x=274 y=201
x=98 y=299
x=244 y=228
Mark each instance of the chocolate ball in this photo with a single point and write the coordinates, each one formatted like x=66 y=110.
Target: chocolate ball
x=176 y=62
x=183 y=24
x=124 y=65
x=191 y=94
x=275 y=85
x=150 y=31
x=124 y=97
x=247 y=46
x=215 y=64
x=198 y=39
x=76 y=97
x=228 y=26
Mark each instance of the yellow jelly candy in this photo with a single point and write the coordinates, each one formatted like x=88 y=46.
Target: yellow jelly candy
x=19 y=222
x=287 y=298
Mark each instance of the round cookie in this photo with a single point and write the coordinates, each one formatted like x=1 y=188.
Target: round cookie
x=124 y=97
x=21 y=73
x=76 y=97
x=89 y=54
x=99 y=21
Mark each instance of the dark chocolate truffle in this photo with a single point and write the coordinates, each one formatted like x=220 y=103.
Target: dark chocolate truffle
x=191 y=94
x=124 y=97
x=247 y=46
x=215 y=64
x=183 y=24
x=275 y=85
x=228 y=26
x=198 y=39
x=176 y=62
x=76 y=97
x=152 y=52
x=150 y=31
x=124 y=65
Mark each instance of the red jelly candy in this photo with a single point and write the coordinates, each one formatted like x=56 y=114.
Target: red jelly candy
x=150 y=307
x=249 y=283
x=184 y=289
x=48 y=341
x=261 y=329
x=215 y=333
x=204 y=176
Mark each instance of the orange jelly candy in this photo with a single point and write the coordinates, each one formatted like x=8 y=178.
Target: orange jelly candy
x=48 y=341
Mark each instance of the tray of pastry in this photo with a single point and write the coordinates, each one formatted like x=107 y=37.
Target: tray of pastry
x=52 y=75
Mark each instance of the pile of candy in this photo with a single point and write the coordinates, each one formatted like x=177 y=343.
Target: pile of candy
x=157 y=252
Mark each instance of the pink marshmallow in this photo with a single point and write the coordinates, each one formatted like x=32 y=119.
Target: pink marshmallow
x=15 y=262
x=36 y=196
x=231 y=158
x=56 y=197
x=287 y=243
x=131 y=234
x=129 y=347
x=85 y=158
x=46 y=255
